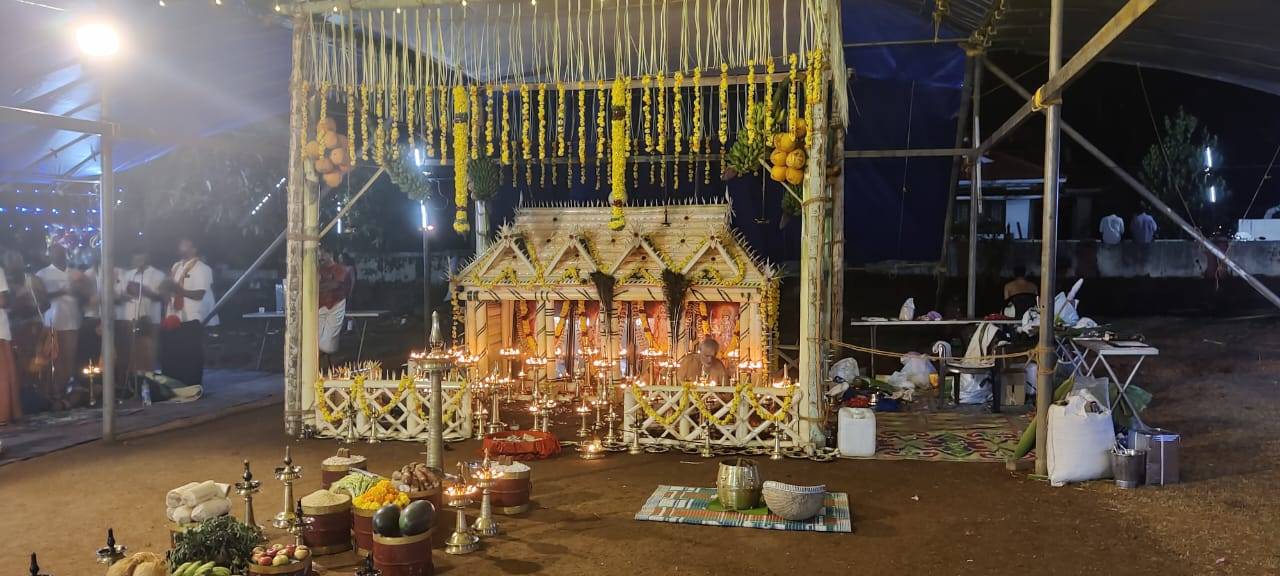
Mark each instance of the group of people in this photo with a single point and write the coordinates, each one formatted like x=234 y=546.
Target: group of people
x=50 y=328
x=1142 y=228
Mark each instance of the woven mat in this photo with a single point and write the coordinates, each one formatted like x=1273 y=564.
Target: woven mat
x=945 y=437
x=687 y=505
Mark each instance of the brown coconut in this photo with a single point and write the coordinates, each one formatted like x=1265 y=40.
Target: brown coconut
x=333 y=179
x=339 y=156
x=312 y=150
x=326 y=125
x=330 y=139
x=324 y=166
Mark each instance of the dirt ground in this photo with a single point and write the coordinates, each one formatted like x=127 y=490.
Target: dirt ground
x=1215 y=383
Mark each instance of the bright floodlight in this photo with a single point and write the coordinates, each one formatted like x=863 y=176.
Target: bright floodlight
x=98 y=40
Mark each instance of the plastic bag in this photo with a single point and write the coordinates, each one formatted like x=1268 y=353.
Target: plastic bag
x=908 y=310
x=1081 y=435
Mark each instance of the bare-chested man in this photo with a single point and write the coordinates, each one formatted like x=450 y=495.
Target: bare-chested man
x=703 y=363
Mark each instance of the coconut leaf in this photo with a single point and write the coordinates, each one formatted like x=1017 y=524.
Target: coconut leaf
x=674 y=287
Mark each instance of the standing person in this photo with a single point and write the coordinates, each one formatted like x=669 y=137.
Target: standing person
x=1143 y=227
x=138 y=310
x=10 y=395
x=62 y=316
x=1112 y=229
x=32 y=351
x=95 y=287
x=334 y=288
x=190 y=285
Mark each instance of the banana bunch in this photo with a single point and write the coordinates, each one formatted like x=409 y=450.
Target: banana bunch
x=483 y=175
x=201 y=569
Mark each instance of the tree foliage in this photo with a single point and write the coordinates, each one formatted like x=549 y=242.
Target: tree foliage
x=1175 y=168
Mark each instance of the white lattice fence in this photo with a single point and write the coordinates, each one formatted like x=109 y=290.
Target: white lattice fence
x=406 y=420
x=745 y=429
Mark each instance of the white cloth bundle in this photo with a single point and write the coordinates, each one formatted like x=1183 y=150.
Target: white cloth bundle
x=174 y=498
x=210 y=509
x=200 y=492
x=180 y=514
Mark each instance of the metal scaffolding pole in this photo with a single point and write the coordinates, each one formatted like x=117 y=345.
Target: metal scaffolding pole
x=1147 y=194
x=957 y=162
x=975 y=194
x=106 y=280
x=1048 y=247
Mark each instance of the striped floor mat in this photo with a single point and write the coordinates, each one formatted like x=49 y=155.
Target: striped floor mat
x=945 y=437
x=686 y=505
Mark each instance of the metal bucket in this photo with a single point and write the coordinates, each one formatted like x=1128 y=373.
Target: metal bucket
x=738 y=484
x=1128 y=467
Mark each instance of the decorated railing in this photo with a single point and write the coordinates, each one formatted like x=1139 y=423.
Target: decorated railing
x=736 y=417
x=399 y=409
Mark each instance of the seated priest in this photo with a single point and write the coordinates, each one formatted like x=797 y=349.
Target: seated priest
x=703 y=363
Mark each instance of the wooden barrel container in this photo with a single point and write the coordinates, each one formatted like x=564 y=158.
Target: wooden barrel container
x=510 y=494
x=330 y=473
x=403 y=555
x=362 y=526
x=302 y=568
x=328 y=528
x=432 y=495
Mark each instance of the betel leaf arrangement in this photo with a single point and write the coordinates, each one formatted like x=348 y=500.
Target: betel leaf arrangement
x=222 y=540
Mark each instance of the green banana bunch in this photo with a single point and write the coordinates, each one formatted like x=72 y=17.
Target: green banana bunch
x=483 y=175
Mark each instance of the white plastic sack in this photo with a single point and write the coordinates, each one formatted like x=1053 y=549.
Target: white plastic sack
x=841 y=374
x=1064 y=310
x=908 y=310
x=1081 y=435
x=913 y=376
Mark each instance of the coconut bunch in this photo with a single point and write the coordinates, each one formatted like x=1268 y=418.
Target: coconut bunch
x=328 y=153
x=788 y=159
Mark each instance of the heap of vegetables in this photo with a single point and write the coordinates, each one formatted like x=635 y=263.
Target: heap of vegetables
x=381 y=494
x=222 y=541
x=280 y=554
x=353 y=484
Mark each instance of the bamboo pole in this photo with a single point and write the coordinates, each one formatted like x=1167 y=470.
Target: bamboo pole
x=1048 y=247
x=293 y=247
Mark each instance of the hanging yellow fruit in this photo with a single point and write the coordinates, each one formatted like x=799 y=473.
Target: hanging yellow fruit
x=778 y=158
x=778 y=173
x=800 y=128
x=333 y=179
x=796 y=159
x=795 y=177
x=784 y=142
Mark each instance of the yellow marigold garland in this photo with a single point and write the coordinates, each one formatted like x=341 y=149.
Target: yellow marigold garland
x=661 y=136
x=429 y=116
x=769 y=69
x=460 y=134
x=751 y=100
x=560 y=119
x=443 y=108
x=360 y=395
x=364 y=122
x=695 y=131
x=664 y=421
x=489 y=119
x=646 y=112
x=619 y=147
x=542 y=124
x=813 y=91
x=780 y=415
x=723 y=129
x=473 y=93
x=322 y=404
x=380 y=129
x=582 y=129
x=677 y=116
x=351 y=124
x=506 y=124
x=730 y=415
x=410 y=111
x=394 y=121
x=793 y=103
x=526 y=119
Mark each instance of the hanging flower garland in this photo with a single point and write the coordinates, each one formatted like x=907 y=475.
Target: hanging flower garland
x=351 y=123
x=602 y=119
x=429 y=116
x=322 y=404
x=677 y=114
x=619 y=147
x=664 y=421
x=661 y=136
x=723 y=129
x=542 y=123
x=751 y=100
x=561 y=121
x=489 y=119
x=784 y=410
x=695 y=132
x=460 y=134
x=474 y=94
x=793 y=104
x=444 y=121
x=506 y=124
x=410 y=112
x=364 y=121
x=769 y=69
x=394 y=121
x=380 y=129
x=358 y=389
x=646 y=112
x=526 y=105
x=582 y=129
x=730 y=414
x=813 y=91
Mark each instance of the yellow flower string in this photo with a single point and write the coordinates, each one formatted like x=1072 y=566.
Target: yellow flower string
x=664 y=421
x=729 y=416
x=526 y=105
x=813 y=91
x=769 y=69
x=443 y=107
x=429 y=116
x=410 y=112
x=793 y=103
x=619 y=147
x=783 y=411
x=661 y=137
x=489 y=120
x=360 y=395
x=380 y=129
x=723 y=129
x=695 y=131
x=506 y=124
x=351 y=124
x=322 y=404
x=646 y=112
x=542 y=124
x=364 y=121
x=394 y=130
x=582 y=129
x=602 y=119
x=460 y=134
x=677 y=114
x=561 y=121
x=473 y=92
x=751 y=100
